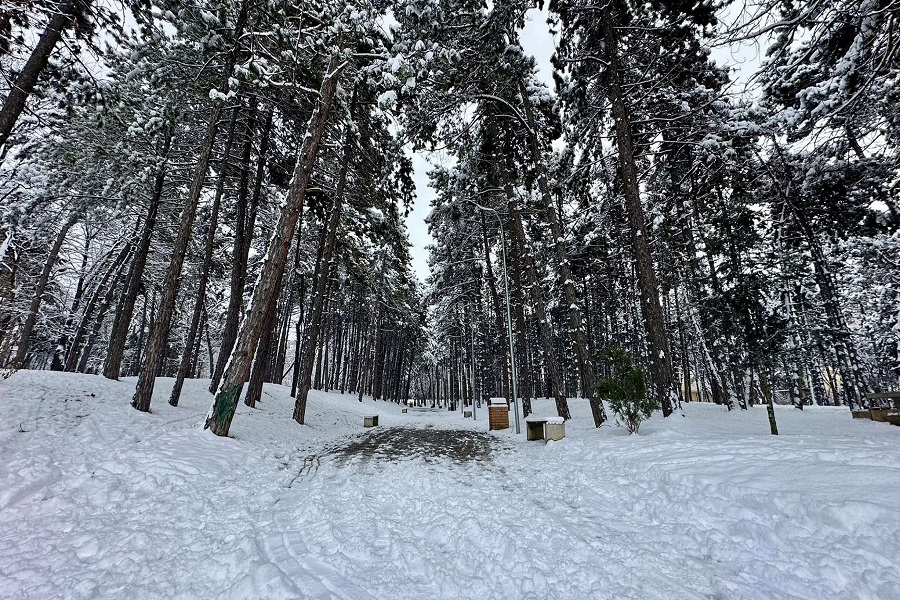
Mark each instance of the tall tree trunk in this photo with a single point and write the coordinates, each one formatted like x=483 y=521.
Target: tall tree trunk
x=184 y=366
x=525 y=386
x=209 y=348
x=62 y=346
x=298 y=337
x=853 y=379
x=660 y=359
x=364 y=363
x=320 y=348
x=377 y=372
x=139 y=351
x=254 y=388
x=281 y=335
x=540 y=310
x=245 y=222
x=159 y=329
x=98 y=322
x=337 y=352
x=269 y=282
x=354 y=376
x=573 y=304
x=303 y=341
x=197 y=362
x=60 y=19
x=21 y=359
x=499 y=317
x=327 y=341
x=115 y=349
x=320 y=295
x=87 y=316
x=765 y=382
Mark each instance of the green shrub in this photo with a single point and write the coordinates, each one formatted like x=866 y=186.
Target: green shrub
x=626 y=389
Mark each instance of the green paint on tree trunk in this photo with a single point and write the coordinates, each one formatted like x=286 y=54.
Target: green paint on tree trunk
x=223 y=410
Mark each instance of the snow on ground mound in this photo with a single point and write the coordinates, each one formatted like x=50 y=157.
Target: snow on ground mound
x=98 y=500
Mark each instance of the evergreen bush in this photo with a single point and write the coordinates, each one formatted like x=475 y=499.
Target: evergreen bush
x=626 y=389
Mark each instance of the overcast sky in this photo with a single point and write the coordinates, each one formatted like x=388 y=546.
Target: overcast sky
x=537 y=41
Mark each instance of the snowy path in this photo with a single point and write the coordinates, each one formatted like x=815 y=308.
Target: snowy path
x=607 y=530
x=98 y=501
x=426 y=443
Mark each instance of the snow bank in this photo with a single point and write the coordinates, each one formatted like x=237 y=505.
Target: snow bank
x=99 y=500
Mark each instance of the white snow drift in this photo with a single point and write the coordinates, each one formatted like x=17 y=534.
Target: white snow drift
x=98 y=500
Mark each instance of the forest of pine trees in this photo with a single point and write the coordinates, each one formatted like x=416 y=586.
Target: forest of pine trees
x=221 y=189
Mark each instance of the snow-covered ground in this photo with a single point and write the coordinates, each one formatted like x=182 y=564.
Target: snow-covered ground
x=100 y=501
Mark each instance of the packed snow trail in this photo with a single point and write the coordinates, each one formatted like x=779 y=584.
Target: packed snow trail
x=98 y=500
x=427 y=443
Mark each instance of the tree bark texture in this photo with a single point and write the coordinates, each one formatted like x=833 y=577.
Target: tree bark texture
x=115 y=351
x=540 y=310
x=21 y=359
x=319 y=295
x=269 y=282
x=660 y=359
x=184 y=365
x=573 y=308
x=245 y=222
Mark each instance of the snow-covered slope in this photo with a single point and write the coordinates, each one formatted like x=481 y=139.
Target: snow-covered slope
x=98 y=500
